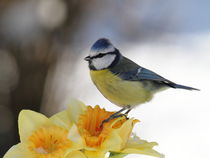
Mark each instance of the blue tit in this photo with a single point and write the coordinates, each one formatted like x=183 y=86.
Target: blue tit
x=122 y=81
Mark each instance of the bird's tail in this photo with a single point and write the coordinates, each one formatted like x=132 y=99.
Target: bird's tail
x=174 y=85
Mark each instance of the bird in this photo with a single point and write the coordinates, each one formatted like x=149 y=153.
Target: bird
x=122 y=81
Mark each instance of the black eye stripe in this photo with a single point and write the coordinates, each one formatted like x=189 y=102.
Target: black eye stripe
x=100 y=55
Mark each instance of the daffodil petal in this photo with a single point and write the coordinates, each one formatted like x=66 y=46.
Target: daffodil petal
x=95 y=154
x=75 y=109
x=75 y=137
x=137 y=146
x=136 y=142
x=76 y=154
x=62 y=119
x=29 y=121
x=18 y=151
x=145 y=151
x=125 y=130
x=113 y=142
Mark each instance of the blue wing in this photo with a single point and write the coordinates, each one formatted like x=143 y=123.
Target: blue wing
x=128 y=70
x=139 y=74
x=145 y=74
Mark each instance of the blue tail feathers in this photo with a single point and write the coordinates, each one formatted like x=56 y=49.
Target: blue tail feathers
x=174 y=85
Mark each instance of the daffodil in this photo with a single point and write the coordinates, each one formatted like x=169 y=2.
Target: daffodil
x=42 y=137
x=135 y=145
x=76 y=133
x=114 y=136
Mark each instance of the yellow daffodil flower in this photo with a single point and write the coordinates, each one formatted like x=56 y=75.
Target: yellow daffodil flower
x=41 y=137
x=135 y=145
x=76 y=133
x=113 y=137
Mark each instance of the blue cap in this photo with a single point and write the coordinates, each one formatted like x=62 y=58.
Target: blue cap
x=102 y=43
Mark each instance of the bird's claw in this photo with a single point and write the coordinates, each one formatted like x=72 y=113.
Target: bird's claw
x=113 y=117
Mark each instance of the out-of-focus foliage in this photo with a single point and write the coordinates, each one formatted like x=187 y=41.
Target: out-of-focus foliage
x=32 y=36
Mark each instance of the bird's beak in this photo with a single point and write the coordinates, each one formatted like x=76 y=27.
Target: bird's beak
x=87 y=58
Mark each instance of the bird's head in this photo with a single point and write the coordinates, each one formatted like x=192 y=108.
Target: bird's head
x=102 y=55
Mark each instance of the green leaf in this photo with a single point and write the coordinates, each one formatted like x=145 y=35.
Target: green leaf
x=117 y=155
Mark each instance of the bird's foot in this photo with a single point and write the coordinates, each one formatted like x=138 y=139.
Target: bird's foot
x=117 y=114
x=113 y=116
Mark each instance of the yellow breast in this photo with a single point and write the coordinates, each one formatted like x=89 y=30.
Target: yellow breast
x=118 y=91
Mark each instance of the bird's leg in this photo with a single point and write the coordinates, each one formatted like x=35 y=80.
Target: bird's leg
x=117 y=114
x=127 y=111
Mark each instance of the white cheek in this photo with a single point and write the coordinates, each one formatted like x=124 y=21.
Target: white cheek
x=104 y=62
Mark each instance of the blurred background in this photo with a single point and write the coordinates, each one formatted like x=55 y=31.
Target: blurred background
x=43 y=43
